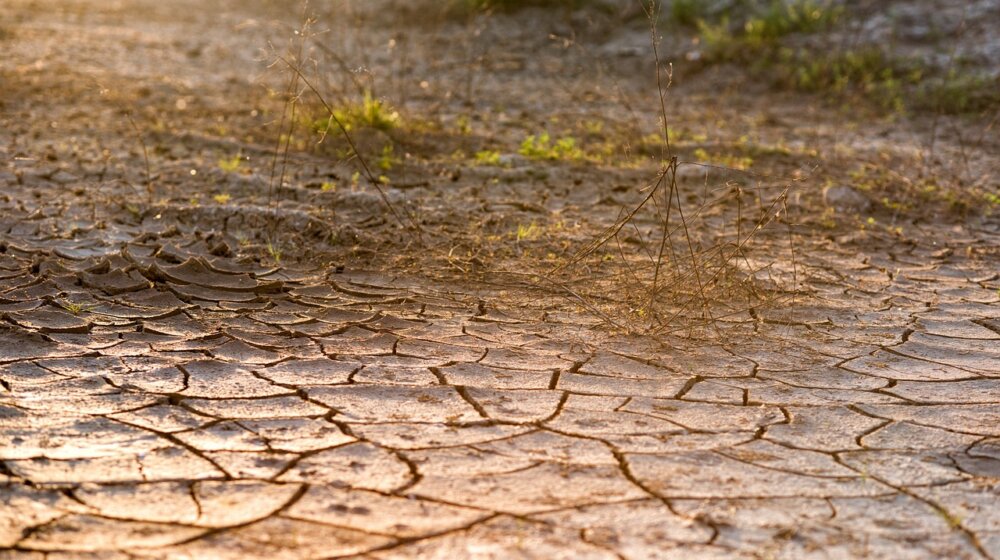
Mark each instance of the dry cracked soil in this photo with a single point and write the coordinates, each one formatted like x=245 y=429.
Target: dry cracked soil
x=197 y=362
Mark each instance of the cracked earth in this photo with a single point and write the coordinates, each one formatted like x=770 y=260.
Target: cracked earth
x=163 y=397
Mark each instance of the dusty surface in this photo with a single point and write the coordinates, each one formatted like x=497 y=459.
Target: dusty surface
x=172 y=390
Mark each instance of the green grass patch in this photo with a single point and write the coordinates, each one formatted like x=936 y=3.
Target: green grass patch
x=898 y=193
x=387 y=158
x=760 y=29
x=488 y=157
x=890 y=82
x=232 y=164
x=689 y=12
x=754 y=36
x=542 y=146
x=369 y=113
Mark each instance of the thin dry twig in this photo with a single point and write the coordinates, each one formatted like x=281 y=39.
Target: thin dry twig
x=354 y=148
x=145 y=155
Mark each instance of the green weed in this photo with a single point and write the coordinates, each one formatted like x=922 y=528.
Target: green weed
x=75 y=308
x=785 y=18
x=464 y=125
x=387 y=159
x=528 y=232
x=133 y=211
x=275 y=251
x=899 y=193
x=762 y=28
x=688 y=12
x=866 y=71
x=488 y=157
x=370 y=113
x=541 y=146
x=725 y=160
x=893 y=83
x=231 y=165
x=958 y=92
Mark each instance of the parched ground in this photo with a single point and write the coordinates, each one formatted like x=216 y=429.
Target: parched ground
x=210 y=352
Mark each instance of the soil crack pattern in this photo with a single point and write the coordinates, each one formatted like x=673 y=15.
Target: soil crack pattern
x=228 y=332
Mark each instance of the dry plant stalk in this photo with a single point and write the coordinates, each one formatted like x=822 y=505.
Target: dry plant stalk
x=145 y=156
x=293 y=95
x=685 y=271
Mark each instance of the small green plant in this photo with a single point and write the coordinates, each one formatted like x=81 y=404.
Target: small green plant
x=386 y=159
x=866 y=71
x=464 y=125
x=760 y=31
x=541 y=147
x=958 y=92
x=593 y=127
x=688 y=12
x=75 y=308
x=370 y=113
x=488 y=157
x=782 y=18
x=274 y=250
x=528 y=232
x=718 y=41
x=231 y=165
x=894 y=205
x=222 y=198
x=133 y=211
x=828 y=219
x=724 y=160
x=328 y=186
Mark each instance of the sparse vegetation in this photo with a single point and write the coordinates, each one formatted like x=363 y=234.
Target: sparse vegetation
x=723 y=159
x=888 y=81
x=387 y=159
x=541 y=146
x=231 y=165
x=275 y=252
x=370 y=112
x=689 y=12
x=76 y=308
x=528 y=232
x=762 y=27
x=517 y=273
x=488 y=157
